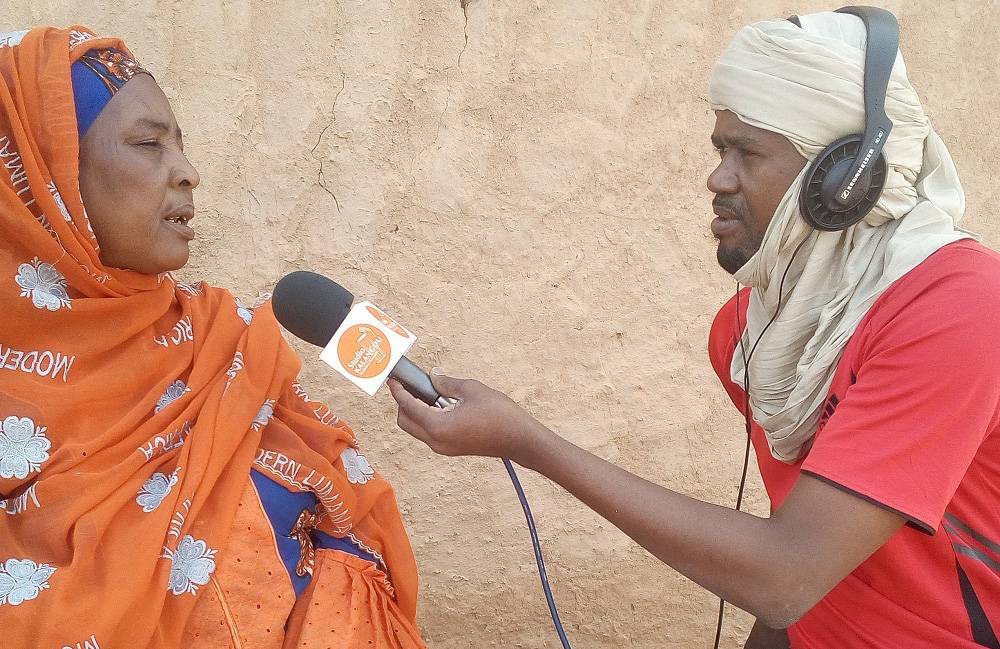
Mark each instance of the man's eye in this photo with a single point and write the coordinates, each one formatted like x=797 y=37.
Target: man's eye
x=150 y=143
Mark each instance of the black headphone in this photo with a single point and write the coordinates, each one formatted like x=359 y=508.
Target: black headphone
x=846 y=179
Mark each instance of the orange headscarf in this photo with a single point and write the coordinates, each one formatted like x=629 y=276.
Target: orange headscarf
x=132 y=406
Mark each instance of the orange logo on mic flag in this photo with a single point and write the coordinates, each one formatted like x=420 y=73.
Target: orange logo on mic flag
x=366 y=347
x=364 y=351
x=387 y=321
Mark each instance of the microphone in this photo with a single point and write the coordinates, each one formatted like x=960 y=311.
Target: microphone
x=312 y=307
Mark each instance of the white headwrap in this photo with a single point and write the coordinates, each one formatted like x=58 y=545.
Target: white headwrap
x=807 y=85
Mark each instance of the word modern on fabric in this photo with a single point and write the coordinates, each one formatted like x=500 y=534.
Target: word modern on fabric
x=43 y=363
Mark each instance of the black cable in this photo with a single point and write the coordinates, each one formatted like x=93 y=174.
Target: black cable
x=553 y=611
x=746 y=400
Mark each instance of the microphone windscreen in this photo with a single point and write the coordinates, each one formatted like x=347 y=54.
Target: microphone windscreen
x=310 y=306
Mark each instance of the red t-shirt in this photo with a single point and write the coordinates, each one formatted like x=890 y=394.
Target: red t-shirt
x=911 y=424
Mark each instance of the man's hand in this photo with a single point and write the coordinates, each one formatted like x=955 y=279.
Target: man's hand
x=483 y=422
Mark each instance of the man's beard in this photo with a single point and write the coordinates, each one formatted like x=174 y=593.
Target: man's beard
x=737 y=253
x=732 y=259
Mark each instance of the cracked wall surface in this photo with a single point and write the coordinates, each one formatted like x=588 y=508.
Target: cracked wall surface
x=523 y=185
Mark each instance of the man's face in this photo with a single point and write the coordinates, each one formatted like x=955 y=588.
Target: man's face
x=136 y=183
x=756 y=167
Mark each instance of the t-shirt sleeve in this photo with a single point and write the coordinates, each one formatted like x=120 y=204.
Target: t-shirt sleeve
x=926 y=392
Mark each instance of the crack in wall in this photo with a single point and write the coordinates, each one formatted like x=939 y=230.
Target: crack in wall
x=465 y=29
x=333 y=118
x=319 y=179
x=464 y=4
x=333 y=113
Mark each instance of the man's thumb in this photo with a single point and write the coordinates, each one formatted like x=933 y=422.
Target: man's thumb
x=447 y=386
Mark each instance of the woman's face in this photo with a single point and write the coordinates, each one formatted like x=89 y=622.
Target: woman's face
x=136 y=182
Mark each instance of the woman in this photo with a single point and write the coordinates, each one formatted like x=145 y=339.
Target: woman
x=165 y=481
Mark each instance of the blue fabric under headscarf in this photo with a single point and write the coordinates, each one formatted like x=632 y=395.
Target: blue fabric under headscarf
x=97 y=76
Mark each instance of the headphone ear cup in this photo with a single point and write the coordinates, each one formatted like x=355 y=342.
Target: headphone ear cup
x=824 y=177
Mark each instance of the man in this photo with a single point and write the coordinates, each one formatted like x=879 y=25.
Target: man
x=874 y=381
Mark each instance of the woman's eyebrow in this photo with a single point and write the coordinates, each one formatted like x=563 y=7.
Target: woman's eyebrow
x=158 y=125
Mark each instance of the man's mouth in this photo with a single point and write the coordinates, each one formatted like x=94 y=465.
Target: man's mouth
x=726 y=221
x=722 y=226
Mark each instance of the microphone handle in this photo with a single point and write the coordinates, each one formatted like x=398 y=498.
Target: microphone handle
x=417 y=383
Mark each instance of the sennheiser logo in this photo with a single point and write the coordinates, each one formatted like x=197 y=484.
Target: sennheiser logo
x=864 y=164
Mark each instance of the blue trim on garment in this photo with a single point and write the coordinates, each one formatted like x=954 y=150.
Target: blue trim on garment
x=90 y=95
x=283 y=507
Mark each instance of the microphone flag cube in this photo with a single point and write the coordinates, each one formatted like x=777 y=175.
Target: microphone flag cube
x=367 y=347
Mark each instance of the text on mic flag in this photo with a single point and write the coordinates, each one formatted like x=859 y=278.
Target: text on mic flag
x=367 y=347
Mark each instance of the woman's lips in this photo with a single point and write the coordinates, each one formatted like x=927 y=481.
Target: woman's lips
x=186 y=232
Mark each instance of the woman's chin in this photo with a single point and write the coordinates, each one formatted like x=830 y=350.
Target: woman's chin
x=152 y=265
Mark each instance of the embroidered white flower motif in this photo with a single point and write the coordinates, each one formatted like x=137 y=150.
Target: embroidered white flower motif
x=155 y=489
x=22 y=579
x=174 y=392
x=44 y=285
x=263 y=415
x=23 y=447
x=192 y=564
x=359 y=470
x=245 y=313
x=57 y=197
x=10 y=39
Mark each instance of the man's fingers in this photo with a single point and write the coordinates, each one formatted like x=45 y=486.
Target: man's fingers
x=415 y=410
x=411 y=427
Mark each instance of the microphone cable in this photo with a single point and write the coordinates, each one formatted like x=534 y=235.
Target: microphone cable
x=553 y=611
x=535 y=544
x=746 y=400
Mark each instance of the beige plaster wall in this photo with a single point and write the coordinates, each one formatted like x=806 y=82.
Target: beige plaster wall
x=523 y=184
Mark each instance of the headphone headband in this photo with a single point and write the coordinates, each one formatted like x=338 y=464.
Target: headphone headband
x=881 y=46
x=844 y=182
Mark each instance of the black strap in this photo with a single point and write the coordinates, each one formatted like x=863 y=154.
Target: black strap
x=982 y=632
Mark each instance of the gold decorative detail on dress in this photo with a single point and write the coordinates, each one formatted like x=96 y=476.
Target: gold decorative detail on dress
x=301 y=532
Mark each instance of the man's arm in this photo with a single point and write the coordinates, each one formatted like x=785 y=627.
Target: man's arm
x=775 y=568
